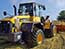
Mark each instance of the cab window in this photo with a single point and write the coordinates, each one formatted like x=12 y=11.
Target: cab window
x=26 y=9
x=38 y=10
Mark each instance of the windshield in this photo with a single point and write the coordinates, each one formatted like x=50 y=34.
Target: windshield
x=26 y=9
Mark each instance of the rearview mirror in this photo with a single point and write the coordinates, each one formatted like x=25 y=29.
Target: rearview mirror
x=43 y=7
x=4 y=13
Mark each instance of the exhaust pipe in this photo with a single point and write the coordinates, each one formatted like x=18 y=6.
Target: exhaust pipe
x=15 y=12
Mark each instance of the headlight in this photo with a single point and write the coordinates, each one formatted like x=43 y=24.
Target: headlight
x=8 y=22
x=18 y=37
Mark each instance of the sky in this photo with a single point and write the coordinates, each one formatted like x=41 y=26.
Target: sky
x=53 y=7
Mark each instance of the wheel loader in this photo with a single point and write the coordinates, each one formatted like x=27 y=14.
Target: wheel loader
x=26 y=25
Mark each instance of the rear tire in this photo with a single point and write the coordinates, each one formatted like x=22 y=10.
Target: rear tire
x=49 y=32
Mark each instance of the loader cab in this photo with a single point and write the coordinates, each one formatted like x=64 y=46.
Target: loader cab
x=33 y=9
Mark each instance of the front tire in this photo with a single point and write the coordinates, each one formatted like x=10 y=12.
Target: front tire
x=39 y=37
x=33 y=38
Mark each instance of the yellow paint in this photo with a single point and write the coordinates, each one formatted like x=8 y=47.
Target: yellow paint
x=47 y=25
x=36 y=19
x=32 y=19
x=24 y=16
x=12 y=19
x=16 y=30
x=13 y=29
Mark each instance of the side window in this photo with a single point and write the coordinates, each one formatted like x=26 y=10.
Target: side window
x=24 y=8
x=34 y=10
x=37 y=10
x=41 y=11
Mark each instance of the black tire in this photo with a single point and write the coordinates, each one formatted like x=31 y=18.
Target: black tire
x=49 y=32
x=30 y=38
x=35 y=37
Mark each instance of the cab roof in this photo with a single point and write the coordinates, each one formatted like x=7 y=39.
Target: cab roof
x=24 y=3
x=31 y=3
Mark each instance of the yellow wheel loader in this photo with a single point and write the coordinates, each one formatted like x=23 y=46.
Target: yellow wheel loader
x=27 y=26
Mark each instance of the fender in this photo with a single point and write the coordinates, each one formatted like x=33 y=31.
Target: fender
x=38 y=25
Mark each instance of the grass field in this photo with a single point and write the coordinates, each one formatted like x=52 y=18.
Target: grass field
x=56 y=42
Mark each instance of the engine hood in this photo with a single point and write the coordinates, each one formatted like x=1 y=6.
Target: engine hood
x=12 y=19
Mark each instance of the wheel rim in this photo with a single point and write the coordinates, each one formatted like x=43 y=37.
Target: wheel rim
x=39 y=38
